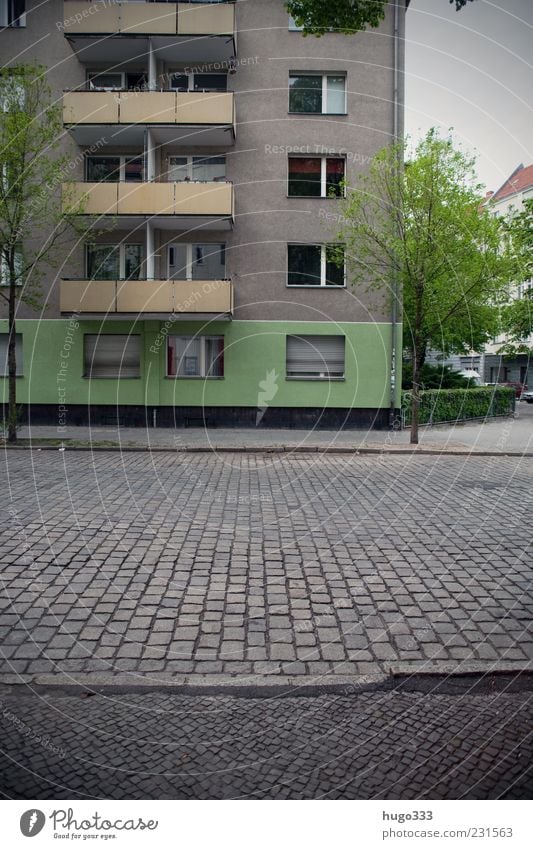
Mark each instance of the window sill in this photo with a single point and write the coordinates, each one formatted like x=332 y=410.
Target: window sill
x=317 y=379
x=115 y=377
x=190 y=377
x=312 y=286
x=321 y=114
x=316 y=197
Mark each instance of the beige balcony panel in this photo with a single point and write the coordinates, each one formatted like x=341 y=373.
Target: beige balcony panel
x=204 y=198
x=148 y=107
x=206 y=19
x=87 y=296
x=205 y=107
x=148 y=18
x=90 y=107
x=94 y=198
x=139 y=296
x=202 y=296
x=146 y=199
x=82 y=17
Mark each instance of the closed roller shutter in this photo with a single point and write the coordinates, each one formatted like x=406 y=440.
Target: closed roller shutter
x=315 y=356
x=112 y=356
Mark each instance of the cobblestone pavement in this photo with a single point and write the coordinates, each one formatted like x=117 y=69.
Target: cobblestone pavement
x=263 y=564
x=392 y=745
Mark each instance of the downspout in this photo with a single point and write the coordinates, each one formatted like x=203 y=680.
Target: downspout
x=394 y=281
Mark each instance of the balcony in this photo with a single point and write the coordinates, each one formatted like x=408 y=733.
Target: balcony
x=185 y=205
x=147 y=297
x=179 y=32
x=180 y=118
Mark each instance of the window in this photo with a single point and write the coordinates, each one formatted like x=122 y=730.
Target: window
x=4 y=337
x=197 y=262
x=114 y=169
x=316 y=176
x=112 y=356
x=12 y=13
x=181 y=81
x=116 y=81
x=195 y=356
x=204 y=169
x=315 y=265
x=4 y=271
x=12 y=93
x=114 y=262
x=315 y=357
x=321 y=94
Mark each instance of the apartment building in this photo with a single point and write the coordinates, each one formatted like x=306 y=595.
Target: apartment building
x=210 y=142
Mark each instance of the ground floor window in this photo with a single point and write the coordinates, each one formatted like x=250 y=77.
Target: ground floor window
x=4 y=337
x=315 y=265
x=110 y=355
x=315 y=357
x=114 y=262
x=195 y=356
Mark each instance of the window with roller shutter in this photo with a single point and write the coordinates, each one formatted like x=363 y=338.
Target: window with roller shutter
x=315 y=357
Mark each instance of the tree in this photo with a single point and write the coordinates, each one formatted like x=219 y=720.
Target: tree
x=422 y=229
x=517 y=317
x=346 y=16
x=33 y=226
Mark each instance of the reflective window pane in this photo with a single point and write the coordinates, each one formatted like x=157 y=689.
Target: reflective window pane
x=208 y=262
x=103 y=262
x=105 y=81
x=336 y=104
x=334 y=271
x=187 y=356
x=305 y=176
x=134 y=170
x=178 y=169
x=133 y=257
x=210 y=82
x=304 y=265
x=103 y=169
x=209 y=168
x=305 y=93
x=179 y=82
x=214 y=357
x=334 y=177
x=177 y=262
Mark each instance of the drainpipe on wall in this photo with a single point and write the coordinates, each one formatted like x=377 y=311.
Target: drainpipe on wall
x=394 y=282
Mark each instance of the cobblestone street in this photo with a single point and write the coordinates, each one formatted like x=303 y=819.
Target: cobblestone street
x=263 y=564
x=392 y=745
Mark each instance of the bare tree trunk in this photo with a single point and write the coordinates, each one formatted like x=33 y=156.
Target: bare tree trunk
x=415 y=399
x=12 y=362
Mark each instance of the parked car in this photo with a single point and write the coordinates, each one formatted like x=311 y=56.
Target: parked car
x=527 y=396
x=519 y=388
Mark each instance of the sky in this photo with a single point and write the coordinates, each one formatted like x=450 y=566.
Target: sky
x=472 y=70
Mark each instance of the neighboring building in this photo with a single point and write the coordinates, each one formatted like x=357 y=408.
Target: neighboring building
x=214 y=137
x=496 y=368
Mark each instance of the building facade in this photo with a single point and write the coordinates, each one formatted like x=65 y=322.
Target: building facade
x=209 y=142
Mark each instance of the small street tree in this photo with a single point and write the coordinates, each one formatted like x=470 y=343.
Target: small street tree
x=424 y=227
x=517 y=316
x=318 y=17
x=33 y=226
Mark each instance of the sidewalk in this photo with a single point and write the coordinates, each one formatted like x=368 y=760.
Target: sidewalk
x=500 y=436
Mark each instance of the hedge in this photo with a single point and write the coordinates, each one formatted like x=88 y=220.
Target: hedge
x=457 y=405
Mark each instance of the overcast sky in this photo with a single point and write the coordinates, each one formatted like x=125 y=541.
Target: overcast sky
x=472 y=70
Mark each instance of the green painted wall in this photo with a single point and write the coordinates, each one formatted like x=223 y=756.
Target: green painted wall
x=53 y=365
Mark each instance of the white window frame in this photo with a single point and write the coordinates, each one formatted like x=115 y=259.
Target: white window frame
x=203 y=369
x=190 y=158
x=323 y=176
x=4 y=16
x=323 y=266
x=122 y=256
x=190 y=256
x=324 y=76
x=122 y=166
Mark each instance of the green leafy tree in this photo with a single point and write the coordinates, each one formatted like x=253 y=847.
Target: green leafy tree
x=422 y=230
x=517 y=317
x=346 y=16
x=34 y=228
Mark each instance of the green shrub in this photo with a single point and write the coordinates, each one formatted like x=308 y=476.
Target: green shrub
x=456 y=405
x=435 y=377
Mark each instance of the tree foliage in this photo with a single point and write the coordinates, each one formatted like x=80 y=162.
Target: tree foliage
x=422 y=230
x=34 y=228
x=517 y=317
x=318 y=17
